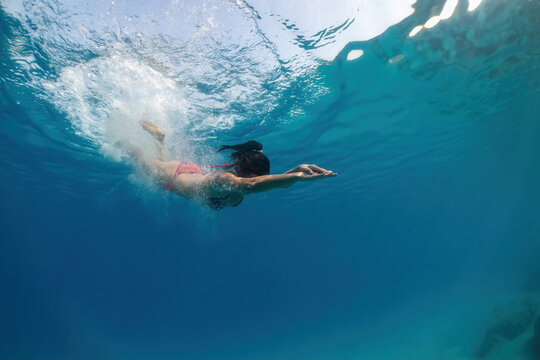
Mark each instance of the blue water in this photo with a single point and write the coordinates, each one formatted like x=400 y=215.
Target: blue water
x=428 y=238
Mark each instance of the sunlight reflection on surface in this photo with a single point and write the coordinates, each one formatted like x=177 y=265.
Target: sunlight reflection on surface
x=434 y=20
x=354 y=54
x=446 y=13
x=473 y=4
x=448 y=9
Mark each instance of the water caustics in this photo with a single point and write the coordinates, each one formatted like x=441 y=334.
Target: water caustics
x=111 y=64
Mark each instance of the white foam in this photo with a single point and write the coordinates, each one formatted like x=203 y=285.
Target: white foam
x=107 y=98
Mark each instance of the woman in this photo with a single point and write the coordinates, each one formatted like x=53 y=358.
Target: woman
x=219 y=189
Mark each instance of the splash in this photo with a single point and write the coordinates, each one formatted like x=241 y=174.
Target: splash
x=108 y=66
x=107 y=98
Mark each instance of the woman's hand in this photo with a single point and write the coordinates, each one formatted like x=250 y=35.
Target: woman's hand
x=315 y=176
x=311 y=170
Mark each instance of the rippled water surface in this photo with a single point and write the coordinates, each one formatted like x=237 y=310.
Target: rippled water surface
x=425 y=246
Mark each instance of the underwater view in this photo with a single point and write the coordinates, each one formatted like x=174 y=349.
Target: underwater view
x=411 y=127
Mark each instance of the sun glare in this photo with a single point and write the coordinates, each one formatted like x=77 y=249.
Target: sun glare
x=354 y=54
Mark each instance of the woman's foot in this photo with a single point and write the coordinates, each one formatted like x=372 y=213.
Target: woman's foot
x=153 y=130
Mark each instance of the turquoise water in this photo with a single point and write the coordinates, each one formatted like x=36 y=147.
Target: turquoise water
x=425 y=246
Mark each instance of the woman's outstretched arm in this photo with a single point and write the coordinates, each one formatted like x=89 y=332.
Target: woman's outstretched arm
x=266 y=182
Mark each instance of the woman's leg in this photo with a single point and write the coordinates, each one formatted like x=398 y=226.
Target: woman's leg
x=161 y=171
x=157 y=134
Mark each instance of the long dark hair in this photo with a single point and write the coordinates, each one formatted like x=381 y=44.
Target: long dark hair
x=248 y=159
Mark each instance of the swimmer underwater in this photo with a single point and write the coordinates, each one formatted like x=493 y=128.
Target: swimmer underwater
x=249 y=173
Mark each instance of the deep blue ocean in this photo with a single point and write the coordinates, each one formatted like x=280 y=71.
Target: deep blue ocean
x=426 y=246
